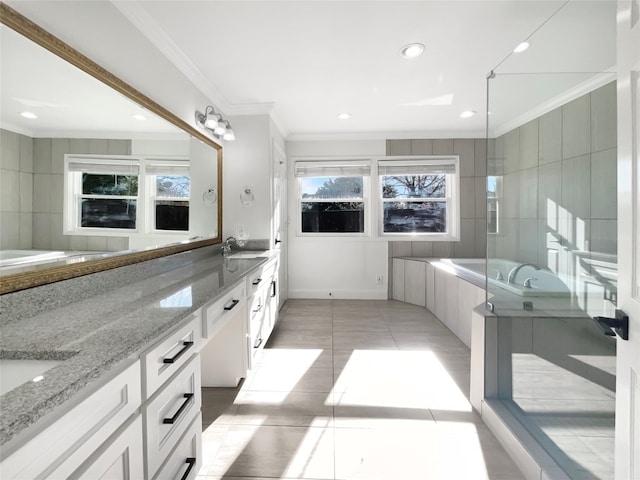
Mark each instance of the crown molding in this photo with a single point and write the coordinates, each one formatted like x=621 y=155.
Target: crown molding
x=595 y=82
x=138 y=16
x=356 y=136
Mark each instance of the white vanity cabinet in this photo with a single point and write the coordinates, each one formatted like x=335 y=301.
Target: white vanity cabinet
x=173 y=398
x=262 y=308
x=224 y=354
x=106 y=424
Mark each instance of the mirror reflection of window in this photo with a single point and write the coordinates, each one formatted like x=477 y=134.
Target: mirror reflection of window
x=171 y=201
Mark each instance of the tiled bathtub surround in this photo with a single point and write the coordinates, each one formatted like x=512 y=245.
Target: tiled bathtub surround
x=98 y=323
x=558 y=202
x=32 y=175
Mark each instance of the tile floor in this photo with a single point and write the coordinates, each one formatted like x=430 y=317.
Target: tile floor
x=349 y=389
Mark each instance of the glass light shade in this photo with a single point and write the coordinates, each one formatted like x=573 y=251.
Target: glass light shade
x=211 y=121
x=220 y=129
x=229 y=135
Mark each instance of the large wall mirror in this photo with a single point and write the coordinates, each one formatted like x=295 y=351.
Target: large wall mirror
x=95 y=175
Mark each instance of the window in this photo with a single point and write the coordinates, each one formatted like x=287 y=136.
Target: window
x=170 y=187
x=419 y=197
x=332 y=196
x=113 y=195
x=102 y=195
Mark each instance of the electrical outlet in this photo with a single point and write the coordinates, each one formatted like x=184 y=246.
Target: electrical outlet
x=379 y=279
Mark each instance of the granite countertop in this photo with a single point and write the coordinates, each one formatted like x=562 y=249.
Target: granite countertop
x=99 y=324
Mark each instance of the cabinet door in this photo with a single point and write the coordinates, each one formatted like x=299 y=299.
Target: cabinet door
x=119 y=459
x=414 y=283
x=397 y=292
x=441 y=295
x=451 y=316
x=430 y=287
x=62 y=447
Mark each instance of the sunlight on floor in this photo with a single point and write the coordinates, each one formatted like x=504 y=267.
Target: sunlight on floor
x=399 y=379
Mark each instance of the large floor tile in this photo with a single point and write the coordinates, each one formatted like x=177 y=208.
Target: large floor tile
x=275 y=452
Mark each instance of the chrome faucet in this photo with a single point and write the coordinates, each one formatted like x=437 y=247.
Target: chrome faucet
x=498 y=274
x=514 y=271
x=527 y=282
x=226 y=247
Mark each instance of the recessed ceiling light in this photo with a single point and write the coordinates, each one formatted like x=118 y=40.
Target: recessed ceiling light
x=28 y=115
x=412 y=50
x=138 y=116
x=344 y=116
x=467 y=113
x=521 y=47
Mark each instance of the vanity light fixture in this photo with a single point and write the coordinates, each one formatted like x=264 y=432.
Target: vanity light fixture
x=29 y=115
x=412 y=50
x=214 y=123
x=467 y=114
x=521 y=47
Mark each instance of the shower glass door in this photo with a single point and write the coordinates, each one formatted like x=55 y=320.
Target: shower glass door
x=552 y=237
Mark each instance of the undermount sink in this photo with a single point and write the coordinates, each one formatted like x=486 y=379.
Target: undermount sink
x=248 y=254
x=14 y=373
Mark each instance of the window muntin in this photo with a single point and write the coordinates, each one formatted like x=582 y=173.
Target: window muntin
x=419 y=197
x=332 y=197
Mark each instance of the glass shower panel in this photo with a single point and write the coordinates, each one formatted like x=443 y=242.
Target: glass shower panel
x=552 y=237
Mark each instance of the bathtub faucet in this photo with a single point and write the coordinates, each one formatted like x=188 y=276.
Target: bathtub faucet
x=514 y=271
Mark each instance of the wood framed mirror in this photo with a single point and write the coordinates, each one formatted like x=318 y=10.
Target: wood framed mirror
x=83 y=130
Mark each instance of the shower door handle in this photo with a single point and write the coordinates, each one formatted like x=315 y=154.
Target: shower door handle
x=612 y=326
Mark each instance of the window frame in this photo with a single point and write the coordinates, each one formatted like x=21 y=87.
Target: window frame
x=152 y=170
x=145 y=200
x=452 y=197
x=330 y=168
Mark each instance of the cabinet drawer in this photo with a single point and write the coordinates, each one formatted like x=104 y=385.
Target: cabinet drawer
x=218 y=313
x=166 y=358
x=69 y=441
x=261 y=277
x=169 y=413
x=186 y=459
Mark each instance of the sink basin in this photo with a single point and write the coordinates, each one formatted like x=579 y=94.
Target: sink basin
x=248 y=254
x=14 y=373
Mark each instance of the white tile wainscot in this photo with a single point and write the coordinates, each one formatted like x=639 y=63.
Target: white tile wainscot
x=422 y=281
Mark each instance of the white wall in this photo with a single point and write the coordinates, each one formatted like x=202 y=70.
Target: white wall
x=343 y=267
x=246 y=163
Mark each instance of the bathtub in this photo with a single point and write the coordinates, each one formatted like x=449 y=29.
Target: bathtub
x=14 y=261
x=543 y=283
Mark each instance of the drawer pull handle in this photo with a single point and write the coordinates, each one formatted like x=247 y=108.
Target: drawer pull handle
x=172 y=420
x=191 y=461
x=256 y=281
x=258 y=343
x=233 y=304
x=274 y=292
x=258 y=309
x=185 y=346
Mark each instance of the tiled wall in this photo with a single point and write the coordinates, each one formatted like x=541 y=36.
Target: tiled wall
x=559 y=196
x=36 y=200
x=16 y=191
x=473 y=213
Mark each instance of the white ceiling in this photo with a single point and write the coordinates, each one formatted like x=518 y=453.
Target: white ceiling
x=306 y=61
